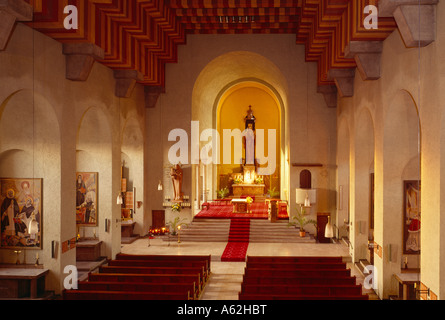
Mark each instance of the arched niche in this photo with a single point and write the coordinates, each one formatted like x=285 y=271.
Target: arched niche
x=30 y=147
x=232 y=108
x=219 y=75
x=94 y=154
x=401 y=145
x=132 y=156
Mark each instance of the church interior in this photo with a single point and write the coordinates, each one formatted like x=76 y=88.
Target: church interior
x=242 y=139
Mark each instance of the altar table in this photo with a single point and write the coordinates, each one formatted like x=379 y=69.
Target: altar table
x=241 y=206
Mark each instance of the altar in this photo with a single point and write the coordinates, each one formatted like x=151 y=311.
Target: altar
x=248 y=189
x=241 y=206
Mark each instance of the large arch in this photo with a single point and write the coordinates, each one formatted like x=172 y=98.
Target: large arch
x=401 y=161
x=216 y=79
x=133 y=154
x=94 y=154
x=30 y=148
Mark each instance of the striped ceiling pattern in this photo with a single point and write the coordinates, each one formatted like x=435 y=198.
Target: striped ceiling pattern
x=144 y=35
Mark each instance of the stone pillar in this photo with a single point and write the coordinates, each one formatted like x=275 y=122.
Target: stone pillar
x=12 y=11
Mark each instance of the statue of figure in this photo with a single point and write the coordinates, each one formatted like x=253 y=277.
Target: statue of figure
x=176 y=174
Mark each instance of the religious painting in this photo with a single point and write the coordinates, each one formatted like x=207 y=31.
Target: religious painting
x=86 y=198
x=411 y=217
x=21 y=213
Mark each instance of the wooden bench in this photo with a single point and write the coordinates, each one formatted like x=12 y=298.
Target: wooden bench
x=148 y=278
x=122 y=256
x=309 y=259
x=295 y=265
x=138 y=287
x=119 y=295
x=299 y=280
x=298 y=297
x=156 y=270
x=159 y=263
x=309 y=273
x=311 y=289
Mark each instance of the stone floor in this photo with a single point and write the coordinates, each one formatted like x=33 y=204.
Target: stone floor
x=226 y=277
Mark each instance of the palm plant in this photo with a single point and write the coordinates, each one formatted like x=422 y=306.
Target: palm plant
x=177 y=222
x=301 y=221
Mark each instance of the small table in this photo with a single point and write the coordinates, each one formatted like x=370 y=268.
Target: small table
x=21 y=282
x=406 y=280
x=241 y=206
x=88 y=250
x=127 y=228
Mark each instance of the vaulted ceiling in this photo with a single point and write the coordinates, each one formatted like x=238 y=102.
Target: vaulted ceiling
x=144 y=35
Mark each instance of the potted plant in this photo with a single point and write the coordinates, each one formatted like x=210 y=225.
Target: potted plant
x=273 y=194
x=301 y=221
x=177 y=222
x=222 y=193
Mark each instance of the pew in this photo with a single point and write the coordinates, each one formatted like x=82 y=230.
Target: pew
x=295 y=265
x=300 y=280
x=309 y=259
x=119 y=295
x=145 y=277
x=159 y=263
x=298 y=297
x=167 y=258
x=156 y=270
x=138 y=287
x=312 y=289
x=310 y=273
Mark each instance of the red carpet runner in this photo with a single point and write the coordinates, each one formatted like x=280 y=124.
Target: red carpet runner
x=238 y=240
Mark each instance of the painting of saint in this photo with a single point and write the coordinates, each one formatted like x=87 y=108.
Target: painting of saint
x=86 y=198
x=20 y=203
x=411 y=219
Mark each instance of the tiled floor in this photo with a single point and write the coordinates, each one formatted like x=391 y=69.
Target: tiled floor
x=226 y=277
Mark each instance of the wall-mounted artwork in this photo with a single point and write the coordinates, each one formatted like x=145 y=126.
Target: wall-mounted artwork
x=411 y=217
x=86 y=198
x=21 y=213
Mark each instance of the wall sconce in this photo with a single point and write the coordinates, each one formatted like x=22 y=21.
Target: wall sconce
x=53 y=248
x=139 y=204
x=160 y=187
x=392 y=253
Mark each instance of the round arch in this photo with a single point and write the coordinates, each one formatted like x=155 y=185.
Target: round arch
x=240 y=68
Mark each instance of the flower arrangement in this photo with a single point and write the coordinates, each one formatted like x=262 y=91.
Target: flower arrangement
x=249 y=200
x=176 y=207
x=259 y=180
x=238 y=180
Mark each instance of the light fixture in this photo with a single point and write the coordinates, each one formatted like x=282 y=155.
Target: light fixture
x=160 y=187
x=329 y=230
